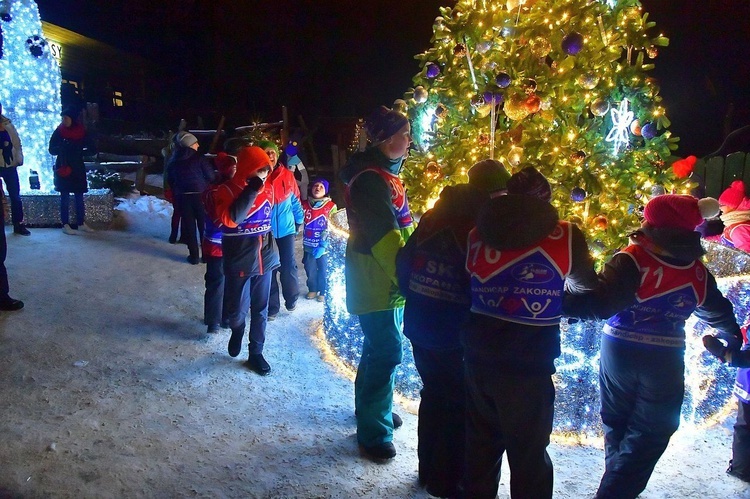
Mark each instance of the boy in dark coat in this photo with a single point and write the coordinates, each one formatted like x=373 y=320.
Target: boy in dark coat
x=520 y=257
x=647 y=291
x=241 y=206
x=431 y=276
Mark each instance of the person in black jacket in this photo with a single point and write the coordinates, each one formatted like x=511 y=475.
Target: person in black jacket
x=647 y=291
x=520 y=257
x=68 y=142
x=189 y=174
x=432 y=278
x=6 y=302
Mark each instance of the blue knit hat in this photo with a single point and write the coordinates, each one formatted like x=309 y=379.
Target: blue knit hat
x=319 y=181
x=383 y=124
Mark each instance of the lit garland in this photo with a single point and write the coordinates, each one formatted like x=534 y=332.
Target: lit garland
x=533 y=82
x=30 y=89
x=708 y=384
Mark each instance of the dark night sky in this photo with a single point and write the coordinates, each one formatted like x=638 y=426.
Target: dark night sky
x=342 y=58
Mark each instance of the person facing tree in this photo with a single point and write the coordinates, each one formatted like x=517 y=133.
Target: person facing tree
x=10 y=159
x=379 y=223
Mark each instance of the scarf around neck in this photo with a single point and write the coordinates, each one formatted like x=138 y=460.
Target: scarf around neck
x=735 y=217
x=76 y=131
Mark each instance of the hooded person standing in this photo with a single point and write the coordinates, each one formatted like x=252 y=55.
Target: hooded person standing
x=520 y=258
x=189 y=174
x=646 y=292
x=11 y=158
x=68 y=142
x=379 y=224
x=241 y=207
x=433 y=280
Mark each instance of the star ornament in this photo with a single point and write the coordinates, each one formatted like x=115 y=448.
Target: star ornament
x=620 y=133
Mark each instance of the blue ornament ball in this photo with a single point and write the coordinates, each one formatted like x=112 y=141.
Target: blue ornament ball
x=577 y=194
x=648 y=131
x=503 y=80
x=572 y=44
x=491 y=97
x=432 y=70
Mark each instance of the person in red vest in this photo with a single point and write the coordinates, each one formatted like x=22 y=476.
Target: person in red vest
x=735 y=213
x=241 y=206
x=317 y=208
x=520 y=258
x=647 y=291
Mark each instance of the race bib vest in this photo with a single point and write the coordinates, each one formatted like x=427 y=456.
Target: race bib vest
x=316 y=222
x=398 y=195
x=523 y=286
x=667 y=296
x=436 y=271
x=257 y=221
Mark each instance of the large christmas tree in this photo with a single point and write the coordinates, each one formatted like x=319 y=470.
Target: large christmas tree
x=561 y=85
x=29 y=86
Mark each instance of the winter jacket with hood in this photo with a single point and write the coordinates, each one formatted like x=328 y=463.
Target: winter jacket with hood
x=241 y=207
x=624 y=284
x=189 y=171
x=517 y=227
x=431 y=270
x=12 y=155
x=69 y=145
x=378 y=227
x=287 y=212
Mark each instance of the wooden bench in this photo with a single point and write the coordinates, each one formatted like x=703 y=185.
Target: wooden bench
x=123 y=164
x=719 y=172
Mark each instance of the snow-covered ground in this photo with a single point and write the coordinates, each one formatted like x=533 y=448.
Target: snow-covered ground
x=110 y=387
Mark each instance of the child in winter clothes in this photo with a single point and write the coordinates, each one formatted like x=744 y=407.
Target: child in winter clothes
x=68 y=142
x=379 y=224
x=213 y=299
x=286 y=219
x=647 y=291
x=431 y=276
x=316 y=208
x=241 y=206
x=189 y=175
x=735 y=213
x=520 y=258
x=739 y=465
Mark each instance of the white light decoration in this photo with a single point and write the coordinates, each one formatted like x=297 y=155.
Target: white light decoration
x=622 y=117
x=708 y=384
x=30 y=88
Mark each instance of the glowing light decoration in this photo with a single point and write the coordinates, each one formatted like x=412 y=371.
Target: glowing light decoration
x=30 y=89
x=708 y=384
x=620 y=133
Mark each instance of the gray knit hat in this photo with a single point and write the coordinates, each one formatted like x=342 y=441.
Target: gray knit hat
x=185 y=139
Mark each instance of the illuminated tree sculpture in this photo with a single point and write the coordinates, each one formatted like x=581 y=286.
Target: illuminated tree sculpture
x=558 y=84
x=30 y=86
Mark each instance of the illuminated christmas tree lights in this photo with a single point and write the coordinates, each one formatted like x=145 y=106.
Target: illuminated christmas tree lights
x=30 y=89
x=545 y=82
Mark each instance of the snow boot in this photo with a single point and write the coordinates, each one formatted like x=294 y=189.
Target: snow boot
x=235 y=341
x=379 y=453
x=258 y=364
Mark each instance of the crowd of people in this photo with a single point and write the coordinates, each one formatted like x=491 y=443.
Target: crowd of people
x=478 y=286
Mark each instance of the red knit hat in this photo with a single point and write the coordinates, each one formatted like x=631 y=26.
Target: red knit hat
x=734 y=195
x=679 y=212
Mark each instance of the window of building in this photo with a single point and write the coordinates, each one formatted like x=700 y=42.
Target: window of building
x=117 y=99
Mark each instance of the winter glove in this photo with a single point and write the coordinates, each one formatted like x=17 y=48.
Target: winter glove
x=318 y=252
x=715 y=347
x=255 y=183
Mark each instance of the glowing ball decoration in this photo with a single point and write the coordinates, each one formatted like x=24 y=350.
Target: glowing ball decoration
x=30 y=89
x=708 y=383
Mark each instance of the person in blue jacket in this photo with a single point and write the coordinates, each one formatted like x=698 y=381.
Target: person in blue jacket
x=286 y=219
x=431 y=276
x=646 y=292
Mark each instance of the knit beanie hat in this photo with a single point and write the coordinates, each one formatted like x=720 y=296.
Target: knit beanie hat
x=266 y=144
x=488 y=176
x=71 y=112
x=322 y=181
x=734 y=195
x=531 y=183
x=679 y=211
x=185 y=139
x=383 y=123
